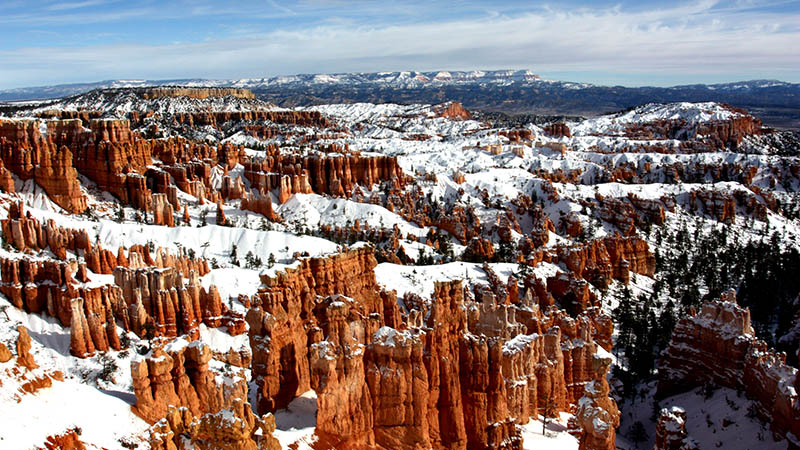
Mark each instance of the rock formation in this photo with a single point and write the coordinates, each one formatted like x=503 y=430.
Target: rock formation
x=30 y=155
x=717 y=347
x=449 y=374
x=452 y=110
x=68 y=440
x=235 y=428
x=148 y=295
x=671 y=431
x=24 y=356
x=557 y=129
x=321 y=174
x=179 y=375
x=597 y=413
x=259 y=203
x=200 y=93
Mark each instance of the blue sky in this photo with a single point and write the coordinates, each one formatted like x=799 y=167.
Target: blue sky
x=630 y=43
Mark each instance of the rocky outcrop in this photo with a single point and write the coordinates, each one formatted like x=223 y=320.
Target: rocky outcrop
x=717 y=347
x=451 y=373
x=158 y=303
x=179 y=375
x=479 y=250
x=24 y=356
x=149 y=295
x=701 y=136
x=599 y=261
x=597 y=414
x=49 y=286
x=572 y=294
x=398 y=385
x=6 y=179
x=671 y=431
x=709 y=347
x=320 y=173
x=717 y=204
x=27 y=234
x=117 y=159
x=452 y=110
x=260 y=204
x=163 y=211
x=344 y=403
x=30 y=155
x=68 y=440
x=5 y=353
x=200 y=93
x=557 y=129
x=234 y=428
x=284 y=315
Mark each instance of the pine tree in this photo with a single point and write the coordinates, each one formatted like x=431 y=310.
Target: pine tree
x=234 y=258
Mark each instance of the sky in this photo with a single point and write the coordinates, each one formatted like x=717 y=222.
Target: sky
x=630 y=43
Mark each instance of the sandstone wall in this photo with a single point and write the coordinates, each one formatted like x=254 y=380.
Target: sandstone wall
x=717 y=347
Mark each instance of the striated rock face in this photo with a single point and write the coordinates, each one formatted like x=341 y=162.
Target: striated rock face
x=479 y=250
x=201 y=93
x=720 y=205
x=321 y=174
x=27 y=234
x=344 y=404
x=558 y=129
x=163 y=211
x=234 y=428
x=178 y=375
x=158 y=298
x=707 y=348
x=259 y=203
x=599 y=261
x=452 y=110
x=671 y=431
x=6 y=180
x=24 y=357
x=597 y=414
x=30 y=155
x=451 y=373
x=117 y=159
x=718 y=347
x=49 y=286
x=148 y=296
x=283 y=317
x=702 y=136
x=398 y=385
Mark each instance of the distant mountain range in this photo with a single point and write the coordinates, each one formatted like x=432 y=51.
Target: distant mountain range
x=777 y=103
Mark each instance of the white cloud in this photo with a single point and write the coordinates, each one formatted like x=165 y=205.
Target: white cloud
x=690 y=38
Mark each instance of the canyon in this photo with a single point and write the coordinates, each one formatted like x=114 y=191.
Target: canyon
x=214 y=271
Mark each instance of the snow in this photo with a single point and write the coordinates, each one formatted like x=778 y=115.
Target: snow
x=220 y=341
x=692 y=113
x=100 y=408
x=103 y=417
x=555 y=438
x=519 y=343
x=704 y=420
x=420 y=279
x=390 y=337
x=210 y=241
x=294 y=426
x=312 y=210
x=123 y=102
